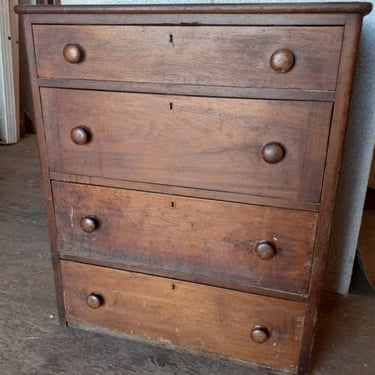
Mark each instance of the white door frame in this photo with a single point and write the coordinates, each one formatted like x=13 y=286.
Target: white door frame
x=9 y=74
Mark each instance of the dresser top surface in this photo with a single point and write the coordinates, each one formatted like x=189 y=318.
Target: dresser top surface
x=250 y=8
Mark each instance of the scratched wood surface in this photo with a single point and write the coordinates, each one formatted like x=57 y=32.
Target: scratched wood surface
x=191 y=55
x=190 y=316
x=196 y=239
x=193 y=142
x=33 y=343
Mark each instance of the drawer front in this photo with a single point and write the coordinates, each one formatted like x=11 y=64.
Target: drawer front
x=206 y=55
x=221 y=243
x=192 y=317
x=204 y=143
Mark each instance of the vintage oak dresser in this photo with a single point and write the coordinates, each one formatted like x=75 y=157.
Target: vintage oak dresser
x=190 y=157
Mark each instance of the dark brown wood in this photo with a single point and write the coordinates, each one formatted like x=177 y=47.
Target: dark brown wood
x=196 y=279
x=282 y=60
x=334 y=157
x=38 y=119
x=95 y=300
x=275 y=8
x=197 y=55
x=88 y=224
x=193 y=19
x=260 y=334
x=228 y=135
x=72 y=53
x=80 y=135
x=191 y=316
x=191 y=237
x=196 y=90
x=265 y=249
x=207 y=153
x=273 y=152
x=28 y=321
x=158 y=188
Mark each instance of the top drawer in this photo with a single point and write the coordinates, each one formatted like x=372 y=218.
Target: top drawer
x=205 y=55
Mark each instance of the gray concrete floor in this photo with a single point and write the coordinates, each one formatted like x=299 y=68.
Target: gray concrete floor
x=33 y=342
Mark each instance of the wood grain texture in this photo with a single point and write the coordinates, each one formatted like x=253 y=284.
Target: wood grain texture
x=192 y=19
x=208 y=147
x=181 y=191
x=334 y=158
x=192 y=90
x=366 y=243
x=192 y=316
x=33 y=343
x=201 y=143
x=271 y=8
x=202 y=55
x=26 y=29
x=191 y=237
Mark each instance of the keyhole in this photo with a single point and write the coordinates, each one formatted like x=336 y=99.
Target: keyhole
x=171 y=38
x=171 y=105
x=173 y=204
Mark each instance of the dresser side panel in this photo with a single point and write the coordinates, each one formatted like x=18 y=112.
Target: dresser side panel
x=26 y=29
x=334 y=158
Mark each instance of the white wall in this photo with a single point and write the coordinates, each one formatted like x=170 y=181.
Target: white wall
x=357 y=154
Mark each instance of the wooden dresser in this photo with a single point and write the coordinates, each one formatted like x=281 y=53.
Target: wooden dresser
x=190 y=157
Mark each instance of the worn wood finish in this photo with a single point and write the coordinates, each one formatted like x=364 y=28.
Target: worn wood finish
x=191 y=237
x=192 y=19
x=192 y=278
x=193 y=317
x=26 y=31
x=366 y=244
x=191 y=55
x=271 y=9
x=197 y=193
x=197 y=142
x=194 y=90
x=173 y=126
x=334 y=157
x=33 y=342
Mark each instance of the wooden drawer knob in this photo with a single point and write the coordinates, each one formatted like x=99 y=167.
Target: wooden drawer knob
x=80 y=135
x=282 y=60
x=265 y=249
x=88 y=224
x=95 y=300
x=72 y=53
x=273 y=152
x=260 y=334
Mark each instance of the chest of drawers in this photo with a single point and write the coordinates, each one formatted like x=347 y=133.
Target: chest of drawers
x=190 y=157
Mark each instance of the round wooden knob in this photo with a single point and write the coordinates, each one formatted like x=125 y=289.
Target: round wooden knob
x=260 y=334
x=265 y=249
x=273 y=152
x=282 y=60
x=80 y=135
x=95 y=300
x=88 y=224
x=72 y=53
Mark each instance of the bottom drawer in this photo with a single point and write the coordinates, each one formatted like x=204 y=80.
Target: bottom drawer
x=193 y=317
